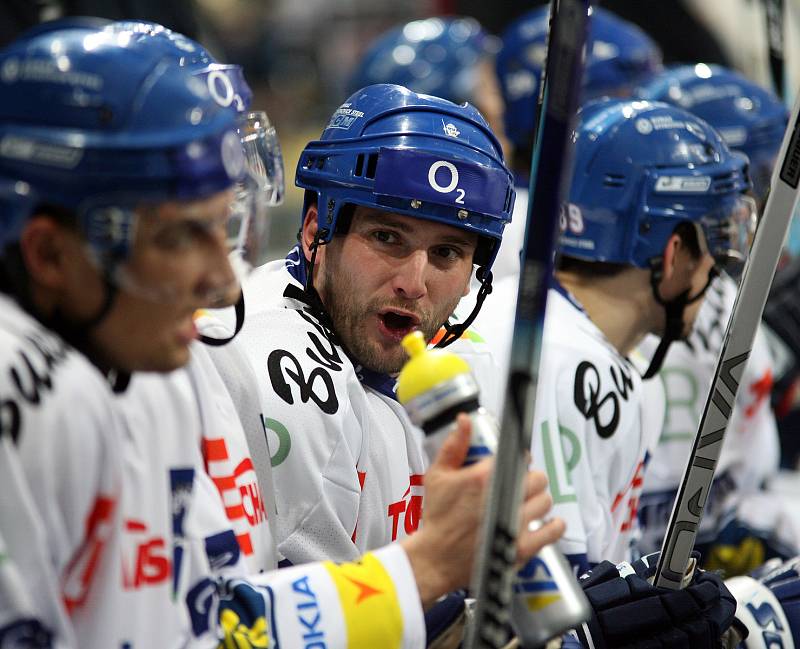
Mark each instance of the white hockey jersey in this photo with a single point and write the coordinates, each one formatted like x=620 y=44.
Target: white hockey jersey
x=31 y=610
x=67 y=491
x=349 y=466
x=750 y=452
x=135 y=529
x=595 y=426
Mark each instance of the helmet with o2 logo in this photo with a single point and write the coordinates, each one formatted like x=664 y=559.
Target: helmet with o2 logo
x=392 y=149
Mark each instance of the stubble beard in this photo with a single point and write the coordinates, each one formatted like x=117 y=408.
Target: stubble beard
x=348 y=316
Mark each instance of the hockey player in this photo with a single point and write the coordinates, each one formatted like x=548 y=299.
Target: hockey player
x=405 y=194
x=654 y=198
x=742 y=525
x=115 y=168
x=451 y=57
x=619 y=55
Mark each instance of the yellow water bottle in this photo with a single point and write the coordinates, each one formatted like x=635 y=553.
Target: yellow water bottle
x=434 y=386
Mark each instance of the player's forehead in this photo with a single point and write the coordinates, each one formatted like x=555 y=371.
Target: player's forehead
x=208 y=209
x=364 y=217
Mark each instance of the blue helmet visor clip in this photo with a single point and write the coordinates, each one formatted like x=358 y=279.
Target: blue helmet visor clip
x=262 y=186
x=728 y=231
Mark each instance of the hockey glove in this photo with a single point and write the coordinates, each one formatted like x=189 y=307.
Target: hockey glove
x=627 y=611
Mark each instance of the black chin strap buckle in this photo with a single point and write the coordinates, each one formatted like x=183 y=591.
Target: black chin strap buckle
x=454 y=331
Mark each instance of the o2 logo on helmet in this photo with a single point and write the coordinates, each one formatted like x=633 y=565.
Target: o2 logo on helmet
x=452 y=184
x=221 y=90
x=570 y=219
x=644 y=126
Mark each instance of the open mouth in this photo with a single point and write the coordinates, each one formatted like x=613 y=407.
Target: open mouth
x=396 y=324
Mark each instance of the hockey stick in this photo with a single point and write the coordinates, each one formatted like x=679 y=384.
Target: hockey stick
x=774 y=16
x=551 y=167
x=747 y=309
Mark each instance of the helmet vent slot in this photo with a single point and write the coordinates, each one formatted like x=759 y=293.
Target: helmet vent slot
x=614 y=180
x=507 y=204
x=372 y=165
x=359 y=165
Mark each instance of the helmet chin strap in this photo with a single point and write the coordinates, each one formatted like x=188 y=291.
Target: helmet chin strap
x=674 y=308
x=239 y=311
x=455 y=331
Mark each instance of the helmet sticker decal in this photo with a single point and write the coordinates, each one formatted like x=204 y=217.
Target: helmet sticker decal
x=344 y=117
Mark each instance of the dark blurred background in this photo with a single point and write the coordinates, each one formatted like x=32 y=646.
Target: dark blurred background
x=298 y=54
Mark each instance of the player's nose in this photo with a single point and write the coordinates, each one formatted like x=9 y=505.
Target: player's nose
x=410 y=278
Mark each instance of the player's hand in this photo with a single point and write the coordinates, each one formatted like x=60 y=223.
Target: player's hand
x=442 y=551
x=627 y=611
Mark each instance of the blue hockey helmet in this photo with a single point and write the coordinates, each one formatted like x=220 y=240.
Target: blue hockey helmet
x=392 y=149
x=619 y=57
x=263 y=183
x=641 y=168
x=97 y=122
x=750 y=118
x=435 y=56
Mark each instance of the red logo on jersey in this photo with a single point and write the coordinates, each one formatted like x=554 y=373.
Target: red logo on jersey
x=149 y=563
x=365 y=591
x=633 y=491
x=79 y=572
x=239 y=490
x=410 y=507
x=761 y=389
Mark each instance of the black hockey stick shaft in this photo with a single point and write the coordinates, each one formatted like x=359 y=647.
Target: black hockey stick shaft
x=756 y=280
x=551 y=168
x=774 y=22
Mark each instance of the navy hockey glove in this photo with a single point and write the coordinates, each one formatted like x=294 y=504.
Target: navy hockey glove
x=627 y=611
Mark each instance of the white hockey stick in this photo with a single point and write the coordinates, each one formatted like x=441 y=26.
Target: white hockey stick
x=551 y=167
x=747 y=309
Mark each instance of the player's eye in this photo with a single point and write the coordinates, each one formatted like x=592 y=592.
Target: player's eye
x=181 y=235
x=385 y=236
x=448 y=253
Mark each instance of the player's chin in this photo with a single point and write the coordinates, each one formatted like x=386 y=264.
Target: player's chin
x=386 y=357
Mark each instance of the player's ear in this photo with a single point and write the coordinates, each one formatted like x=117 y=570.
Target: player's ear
x=309 y=230
x=670 y=256
x=46 y=247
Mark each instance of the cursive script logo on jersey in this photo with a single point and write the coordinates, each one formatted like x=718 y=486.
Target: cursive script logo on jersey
x=284 y=369
x=595 y=402
x=409 y=508
x=30 y=374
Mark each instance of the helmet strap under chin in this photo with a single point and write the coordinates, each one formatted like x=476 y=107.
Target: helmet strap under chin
x=454 y=331
x=239 y=311
x=673 y=309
